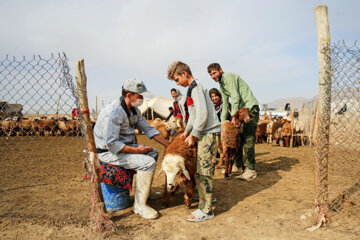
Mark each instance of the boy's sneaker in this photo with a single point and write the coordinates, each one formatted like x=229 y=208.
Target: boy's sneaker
x=248 y=175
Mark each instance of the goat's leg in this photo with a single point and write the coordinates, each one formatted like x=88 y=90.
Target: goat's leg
x=232 y=156
x=189 y=192
x=227 y=165
x=221 y=152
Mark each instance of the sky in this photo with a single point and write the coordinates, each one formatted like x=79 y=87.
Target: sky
x=272 y=45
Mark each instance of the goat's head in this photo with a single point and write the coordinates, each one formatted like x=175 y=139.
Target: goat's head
x=173 y=165
x=175 y=123
x=242 y=115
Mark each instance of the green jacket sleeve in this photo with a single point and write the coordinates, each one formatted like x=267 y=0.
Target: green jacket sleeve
x=234 y=86
x=225 y=106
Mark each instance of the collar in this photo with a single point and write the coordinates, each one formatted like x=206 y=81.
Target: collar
x=191 y=87
x=220 y=80
x=123 y=105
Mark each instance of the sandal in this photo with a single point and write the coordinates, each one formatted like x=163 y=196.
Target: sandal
x=200 y=216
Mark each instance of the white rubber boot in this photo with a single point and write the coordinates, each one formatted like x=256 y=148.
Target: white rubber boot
x=142 y=190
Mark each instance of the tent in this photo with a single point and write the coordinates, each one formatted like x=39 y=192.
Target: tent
x=157 y=107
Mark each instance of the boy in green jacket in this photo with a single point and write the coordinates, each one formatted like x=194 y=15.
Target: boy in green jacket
x=231 y=85
x=204 y=128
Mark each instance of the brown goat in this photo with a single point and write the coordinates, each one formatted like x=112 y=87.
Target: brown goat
x=286 y=132
x=179 y=165
x=161 y=127
x=261 y=132
x=230 y=143
x=230 y=140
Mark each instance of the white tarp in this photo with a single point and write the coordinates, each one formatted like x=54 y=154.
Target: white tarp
x=159 y=104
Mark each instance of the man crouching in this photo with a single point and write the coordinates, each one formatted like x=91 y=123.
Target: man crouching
x=116 y=144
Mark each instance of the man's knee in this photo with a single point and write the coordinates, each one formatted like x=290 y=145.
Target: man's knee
x=149 y=164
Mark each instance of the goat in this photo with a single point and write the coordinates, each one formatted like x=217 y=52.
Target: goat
x=261 y=131
x=286 y=132
x=273 y=131
x=230 y=140
x=161 y=127
x=179 y=165
x=299 y=127
x=175 y=123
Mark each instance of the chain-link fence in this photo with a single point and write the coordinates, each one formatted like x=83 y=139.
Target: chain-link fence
x=41 y=144
x=342 y=188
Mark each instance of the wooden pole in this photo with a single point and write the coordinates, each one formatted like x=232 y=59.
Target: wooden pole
x=57 y=107
x=322 y=148
x=96 y=109
x=101 y=217
x=102 y=103
x=292 y=126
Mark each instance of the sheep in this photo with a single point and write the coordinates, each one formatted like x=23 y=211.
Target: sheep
x=261 y=131
x=179 y=165
x=299 y=127
x=230 y=140
x=286 y=132
x=161 y=127
x=273 y=131
x=175 y=123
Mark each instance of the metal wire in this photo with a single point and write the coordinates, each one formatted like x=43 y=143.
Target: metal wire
x=342 y=190
x=41 y=141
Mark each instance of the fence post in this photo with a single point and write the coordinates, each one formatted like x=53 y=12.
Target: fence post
x=322 y=147
x=101 y=218
x=292 y=126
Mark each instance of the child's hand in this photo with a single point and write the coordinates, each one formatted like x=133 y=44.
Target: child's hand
x=191 y=140
x=184 y=134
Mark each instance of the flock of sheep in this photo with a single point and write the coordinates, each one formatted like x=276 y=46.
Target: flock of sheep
x=40 y=127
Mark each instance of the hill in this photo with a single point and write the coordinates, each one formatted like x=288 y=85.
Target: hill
x=295 y=101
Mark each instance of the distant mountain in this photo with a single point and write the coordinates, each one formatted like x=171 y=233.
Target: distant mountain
x=295 y=101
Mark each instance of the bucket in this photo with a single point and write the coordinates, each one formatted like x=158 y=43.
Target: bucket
x=115 y=198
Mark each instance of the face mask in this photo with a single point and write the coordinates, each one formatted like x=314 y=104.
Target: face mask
x=137 y=103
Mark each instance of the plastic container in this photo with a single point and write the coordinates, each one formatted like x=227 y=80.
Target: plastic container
x=115 y=198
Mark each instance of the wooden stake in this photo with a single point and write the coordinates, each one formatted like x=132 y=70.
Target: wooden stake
x=57 y=107
x=96 y=109
x=101 y=217
x=292 y=126
x=322 y=147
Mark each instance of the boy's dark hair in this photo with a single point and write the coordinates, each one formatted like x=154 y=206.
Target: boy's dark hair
x=177 y=68
x=171 y=108
x=213 y=66
x=216 y=91
x=173 y=90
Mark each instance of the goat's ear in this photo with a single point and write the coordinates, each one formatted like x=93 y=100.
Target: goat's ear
x=185 y=172
x=178 y=123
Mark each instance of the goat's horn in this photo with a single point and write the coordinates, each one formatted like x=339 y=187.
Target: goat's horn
x=185 y=172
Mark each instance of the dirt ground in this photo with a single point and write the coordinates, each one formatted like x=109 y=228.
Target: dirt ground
x=43 y=196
